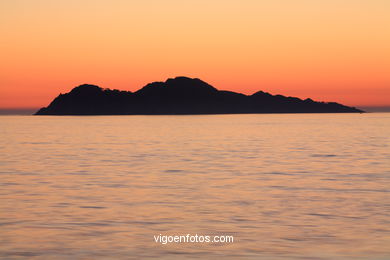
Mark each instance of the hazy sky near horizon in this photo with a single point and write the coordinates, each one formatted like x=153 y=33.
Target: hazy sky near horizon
x=330 y=50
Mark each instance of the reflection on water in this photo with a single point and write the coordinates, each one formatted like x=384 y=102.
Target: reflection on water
x=285 y=186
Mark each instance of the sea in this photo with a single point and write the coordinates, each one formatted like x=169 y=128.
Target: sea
x=285 y=186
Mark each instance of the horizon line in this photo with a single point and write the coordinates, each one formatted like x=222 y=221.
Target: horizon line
x=32 y=110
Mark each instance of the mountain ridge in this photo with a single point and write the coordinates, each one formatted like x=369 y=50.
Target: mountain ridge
x=180 y=95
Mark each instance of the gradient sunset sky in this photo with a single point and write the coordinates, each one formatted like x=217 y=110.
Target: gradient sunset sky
x=329 y=50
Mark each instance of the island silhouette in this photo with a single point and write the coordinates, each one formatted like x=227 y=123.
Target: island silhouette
x=179 y=96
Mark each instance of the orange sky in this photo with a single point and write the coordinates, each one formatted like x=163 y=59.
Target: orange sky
x=334 y=50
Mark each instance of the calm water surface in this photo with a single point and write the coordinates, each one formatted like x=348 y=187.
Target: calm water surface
x=285 y=186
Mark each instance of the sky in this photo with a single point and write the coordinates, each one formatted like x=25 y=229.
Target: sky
x=328 y=50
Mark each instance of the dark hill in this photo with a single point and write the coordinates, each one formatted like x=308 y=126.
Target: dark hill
x=180 y=95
